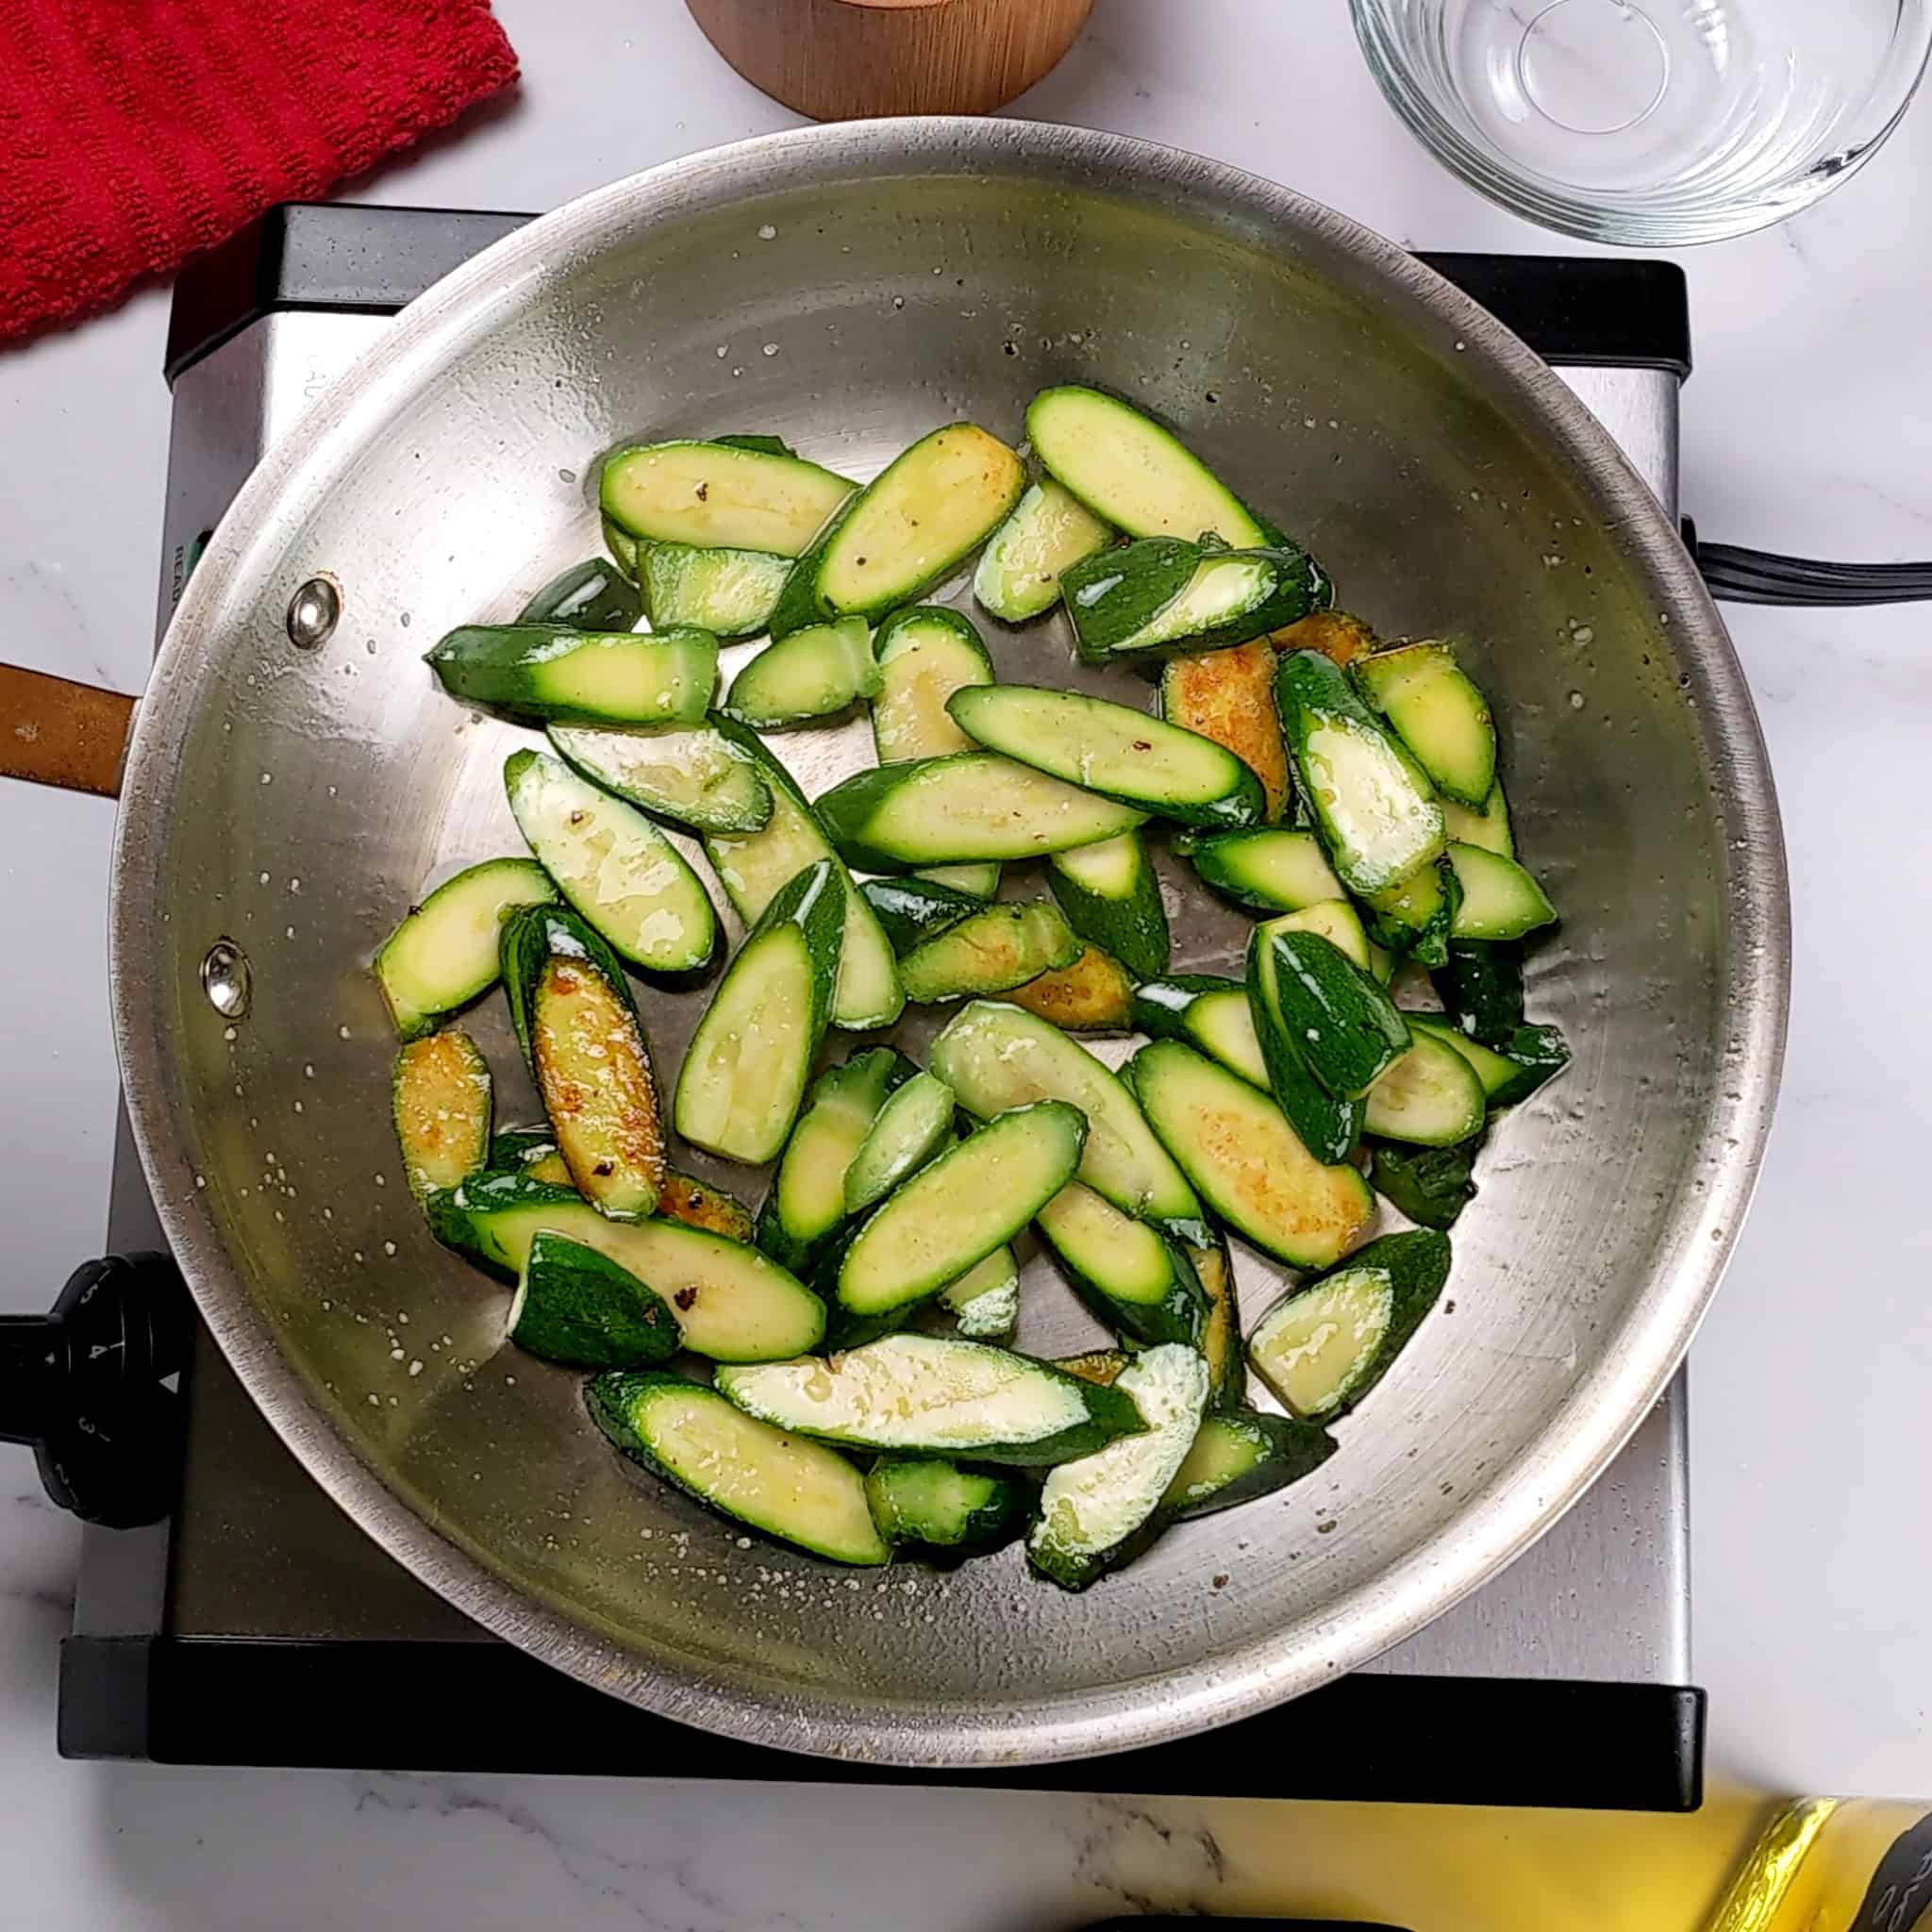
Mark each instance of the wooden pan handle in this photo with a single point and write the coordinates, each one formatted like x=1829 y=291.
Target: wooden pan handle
x=64 y=734
x=845 y=60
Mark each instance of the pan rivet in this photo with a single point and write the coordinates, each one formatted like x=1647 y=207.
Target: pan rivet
x=314 y=611
x=227 y=979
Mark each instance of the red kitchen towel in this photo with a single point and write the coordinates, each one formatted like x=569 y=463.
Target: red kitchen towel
x=133 y=132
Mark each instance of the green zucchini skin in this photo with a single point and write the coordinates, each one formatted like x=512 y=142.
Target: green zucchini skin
x=1481 y=990
x=1094 y=1248
x=914 y=909
x=1124 y=602
x=1341 y=1024
x=798 y=606
x=1220 y=1334
x=524 y=671
x=925 y=1503
x=993 y=950
x=1165 y=1008
x=1328 y=1124
x=592 y=595
x=581 y=1310
x=1240 y=1456
x=1431 y=1185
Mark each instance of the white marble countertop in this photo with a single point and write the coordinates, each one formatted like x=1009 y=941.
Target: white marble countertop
x=1805 y=429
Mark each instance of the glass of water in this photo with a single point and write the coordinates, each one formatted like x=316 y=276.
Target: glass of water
x=1649 y=121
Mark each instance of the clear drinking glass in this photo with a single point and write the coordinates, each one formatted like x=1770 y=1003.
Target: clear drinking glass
x=1651 y=122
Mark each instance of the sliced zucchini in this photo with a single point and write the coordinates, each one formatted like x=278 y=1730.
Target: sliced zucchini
x=937 y=1395
x=914 y=909
x=1334 y=919
x=799 y=1491
x=1093 y=1512
x=698 y=778
x=929 y=509
x=746 y=1070
x=1415 y=918
x=1499 y=900
x=571 y=1008
x=622 y=547
x=1510 y=1072
x=1272 y=870
x=545 y=674
x=1238 y=1148
x=996 y=948
x=1220 y=1334
x=1049 y=530
x=1438 y=713
x=1375 y=806
x=1111 y=896
x=1114 y=750
x=906 y=1132
x=1488 y=828
x=1430 y=1185
x=1241 y=1455
x=1140 y=1285
x=1430 y=1098
x=729 y=592
x=980 y=877
x=697 y=1204
x=449 y=949
x=1322 y=1348
x=984 y=1302
x=971 y=805
x=927 y=1502
x=807 y=1205
x=719 y=497
x=591 y=595
x=530 y=1151
x=440 y=1096
x=1329 y=1126
x=1339 y=637
x=811 y=674
x=1163 y=593
x=994 y=1057
x=1481 y=987
x=1208 y=1012
x=613 y=865
x=1093 y=995
x=955 y=1212
x=1127 y=468
x=753 y=868
x=798 y=606
x=1341 y=1024
x=579 y=1307
x=1229 y=696
x=733 y=1304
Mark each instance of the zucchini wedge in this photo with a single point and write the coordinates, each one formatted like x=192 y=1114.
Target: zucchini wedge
x=1528 y=1057
x=811 y=674
x=1498 y=899
x=1111 y=897
x=1162 y=594
x=936 y=1395
x=1430 y=1097
x=1126 y=468
x=1048 y=530
x=733 y=1304
x=543 y=674
x=744 y=1072
x=571 y=1008
x=442 y=1098
x=951 y=1214
x=1140 y=1285
x=1414 y=920
x=729 y=592
x=1321 y=1348
x=1114 y=750
x=1208 y=1012
x=1334 y=919
x=447 y=950
x=1095 y=1513
x=923 y=1502
x=906 y=1133
x=696 y=1204
x=918 y=521
x=807 y=1205
x=1329 y=1126
x=1431 y=1185
x=697 y=778
x=1488 y=828
x=530 y=1151
x=1094 y=994
x=1220 y=1334
x=1339 y=1023
x=1229 y=696
x=1240 y=1456
x=1438 y=713
x=990 y=951
x=1272 y=870
x=591 y=595
x=1375 y=806
x=798 y=1491
x=994 y=1057
x=1250 y=1166
x=619 y=870
x=580 y=1308
x=971 y=805
x=752 y=868
x=984 y=1302
x=913 y=910
x=718 y=497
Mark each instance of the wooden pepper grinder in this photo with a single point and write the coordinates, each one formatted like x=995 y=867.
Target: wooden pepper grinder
x=844 y=60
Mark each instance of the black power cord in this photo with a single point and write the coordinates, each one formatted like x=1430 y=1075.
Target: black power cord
x=1758 y=576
